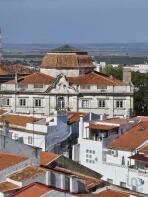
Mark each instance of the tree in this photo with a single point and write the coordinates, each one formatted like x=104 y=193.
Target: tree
x=140 y=81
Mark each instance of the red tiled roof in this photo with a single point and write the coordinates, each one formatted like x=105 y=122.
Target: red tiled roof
x=75 y=116
x=27 y=173
x=106 y=193
x=15 y=68
x=94 y=78
x=117 y=120
x=3 y=72
x=137 y=135
x=18 y=119
x=8 y=160
x=46 y=157
x=66 y=60
x=139 y=157
x=32 y=190
x=102 y=127
x=35 y=78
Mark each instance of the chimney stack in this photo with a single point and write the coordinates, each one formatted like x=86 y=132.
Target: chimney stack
x=16 y=78
x=81 y=127
x=127 y=78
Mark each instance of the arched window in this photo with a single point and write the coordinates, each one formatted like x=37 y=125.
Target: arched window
x=61 y=102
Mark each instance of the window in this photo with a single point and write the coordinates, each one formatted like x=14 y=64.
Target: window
x=123 y=184
x=85 y=104
x=119 y=104
x=101 y=87
x=22 y=102
x=123 y=160
x=110 y=181
x=38 y=85
x=6 y=102
x=134 y=188
x=30 y=140
x=84 y=87
x=37 y=102
x=15 y=136
x=101 y=103
x=22 y=86
x=61 y=103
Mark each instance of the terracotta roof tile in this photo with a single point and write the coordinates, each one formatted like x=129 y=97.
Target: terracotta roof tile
x=18 y=119
x=46 y=157
x=94 y=78
x=7 y=186
x=75 y=116
x=3 y=72
x=106 y=193
x=8 y=160
x=32 y=190
x=137 y=135
x=66 y=60
x=102 y=127
x=27 y=173
x=16 y=68
x=35 y=78
x=118 y=120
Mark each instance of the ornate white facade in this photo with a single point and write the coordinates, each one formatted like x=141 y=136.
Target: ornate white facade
x=101 y=95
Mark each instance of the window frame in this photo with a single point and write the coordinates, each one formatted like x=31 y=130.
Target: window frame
x=85 y=104
x=37 y=102
x=101 y=103
x=22 y=102
x=119 y=104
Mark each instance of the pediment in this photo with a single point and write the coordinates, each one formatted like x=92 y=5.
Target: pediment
x=61 y=86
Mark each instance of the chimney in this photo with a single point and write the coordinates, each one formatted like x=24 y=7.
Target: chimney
x=127 y=78
x=81 y=127
x=16 y=78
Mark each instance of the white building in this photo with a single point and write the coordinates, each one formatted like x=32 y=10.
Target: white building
x=110 y=147
x=92 y=92
x=45 y=132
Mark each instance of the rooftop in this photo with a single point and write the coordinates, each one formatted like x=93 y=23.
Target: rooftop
x=14 y=68
x=67 y=60
x=95 y=78
x=118 y=120
x=90 y=181
x=140 y=157
x=18 y=119
x=102 y=127
x=7 y=160
x=27 y=173
x=137 y=135
x=75 y=116
x=7 y=186
x=46 y=157
x=32 y=190
x=106 y=193
x=35 y=78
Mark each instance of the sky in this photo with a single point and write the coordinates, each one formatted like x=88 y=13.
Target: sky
x=74 y=21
